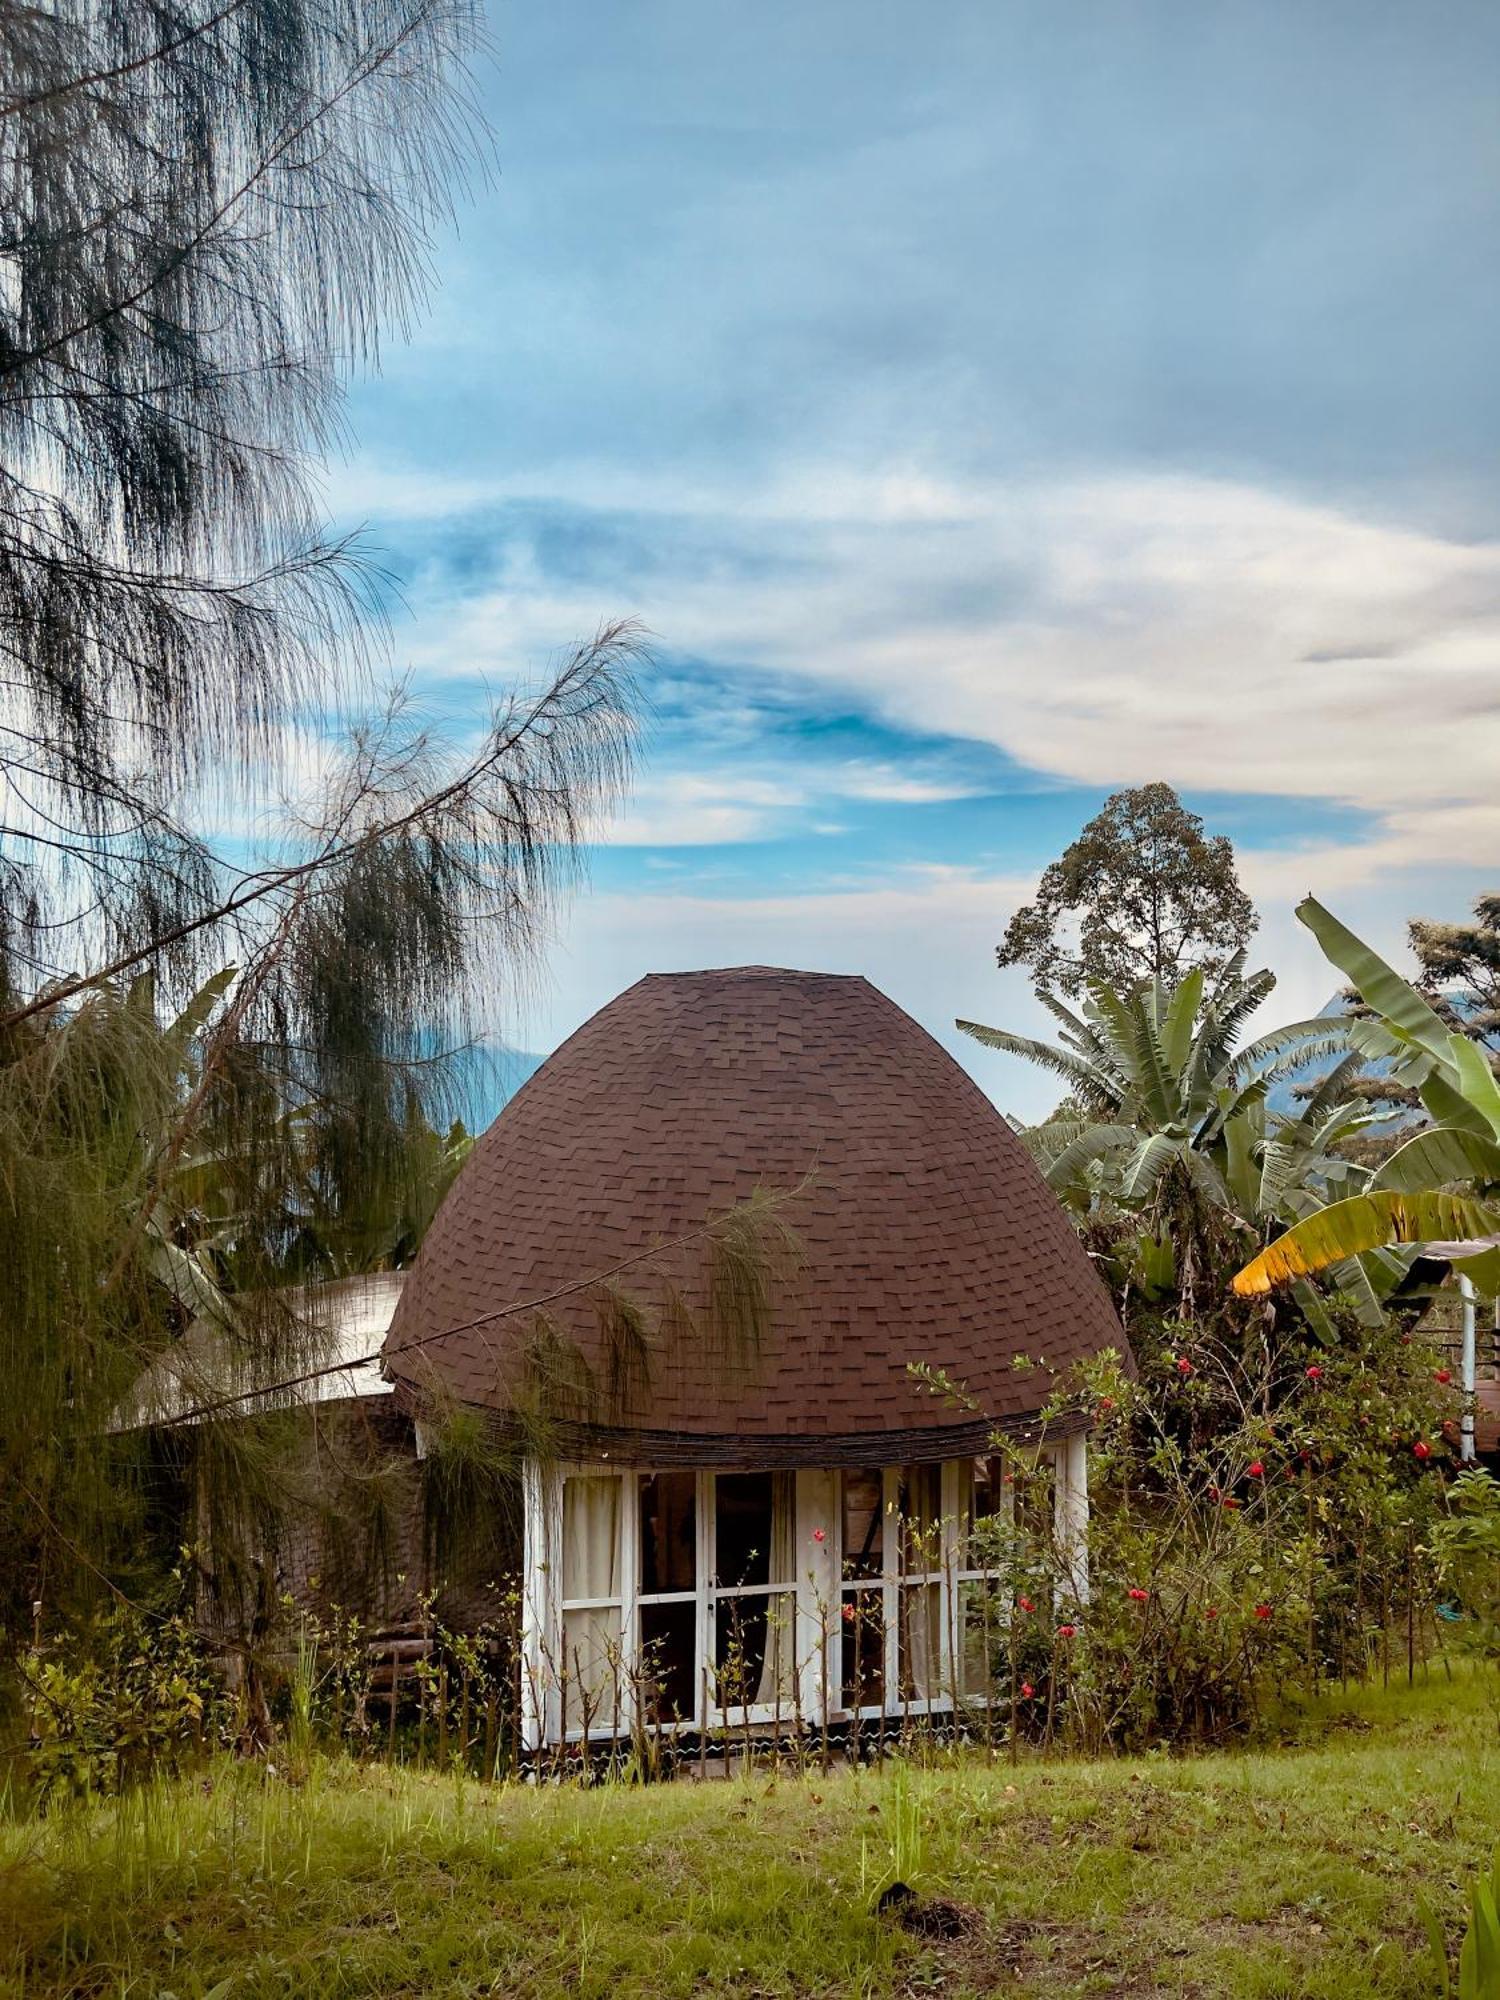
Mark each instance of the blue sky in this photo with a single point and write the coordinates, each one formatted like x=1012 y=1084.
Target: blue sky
x=983 y=408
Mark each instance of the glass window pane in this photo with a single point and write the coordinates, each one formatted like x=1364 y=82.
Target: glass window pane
x=591 y=1676
x=989 y=1488
x=862 y=1649
x=591 y=1537
x=864 y=1523
x=920 y=1505
x=920 y=1641
x=1033 y=1487
x=983 y=1534
x=742 y=1528
x=981 y=1638
x=783 y=1527
x=669 y=1532
x=755 y=1650
x=669 y=1661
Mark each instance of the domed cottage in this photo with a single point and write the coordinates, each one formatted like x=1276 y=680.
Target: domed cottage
x=775 y=1529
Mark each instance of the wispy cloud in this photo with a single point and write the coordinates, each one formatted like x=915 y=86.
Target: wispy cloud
x=1103 y=631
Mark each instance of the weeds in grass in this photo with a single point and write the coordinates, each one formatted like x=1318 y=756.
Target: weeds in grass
x=1237 y=1876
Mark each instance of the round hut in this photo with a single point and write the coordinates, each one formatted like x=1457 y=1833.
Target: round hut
x=719 y=1257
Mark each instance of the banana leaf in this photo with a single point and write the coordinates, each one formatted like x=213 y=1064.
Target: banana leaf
x=1438 y=1157
x=1477 y=1080
x=1366 y=1222
x=1395 y=999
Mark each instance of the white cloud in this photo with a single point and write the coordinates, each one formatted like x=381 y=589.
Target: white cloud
x=680 y=809
x=1108 y=631
x=728 y=803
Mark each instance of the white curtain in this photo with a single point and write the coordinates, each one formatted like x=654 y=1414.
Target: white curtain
x=592 y=1670
x=591 y=1569
x=921 y=1650
x=591 y=1539
x=781 y=1607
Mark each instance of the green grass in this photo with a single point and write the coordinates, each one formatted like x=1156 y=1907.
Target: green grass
x=1287 y=1872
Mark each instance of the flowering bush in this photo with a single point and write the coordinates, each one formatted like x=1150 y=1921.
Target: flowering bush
x=1257 y=1527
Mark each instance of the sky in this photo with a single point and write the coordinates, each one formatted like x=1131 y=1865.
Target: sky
x=982 y=408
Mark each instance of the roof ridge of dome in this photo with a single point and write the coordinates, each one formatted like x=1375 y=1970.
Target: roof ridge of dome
x=756 y=972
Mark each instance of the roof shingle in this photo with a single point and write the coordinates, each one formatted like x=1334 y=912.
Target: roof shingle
x=927 y=1233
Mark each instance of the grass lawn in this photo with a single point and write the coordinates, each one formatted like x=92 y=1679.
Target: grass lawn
x=1286 y=1872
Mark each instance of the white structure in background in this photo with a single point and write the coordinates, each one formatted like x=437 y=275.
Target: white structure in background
x=341 y=1325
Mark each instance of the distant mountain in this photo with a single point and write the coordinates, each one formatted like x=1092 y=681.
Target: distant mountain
x=1282 y=1095
x=486 y=1077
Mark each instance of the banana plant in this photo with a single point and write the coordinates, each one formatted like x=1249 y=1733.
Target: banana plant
x=1164 y=1087
x=1479 y=1955
x=1160 y=1081
x=1441 y=1189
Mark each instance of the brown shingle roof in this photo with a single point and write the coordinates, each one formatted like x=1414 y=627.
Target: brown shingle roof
x=927 y=1233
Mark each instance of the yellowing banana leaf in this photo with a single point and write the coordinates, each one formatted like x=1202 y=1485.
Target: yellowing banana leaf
x=1365 y=1222
x=1483 y=1272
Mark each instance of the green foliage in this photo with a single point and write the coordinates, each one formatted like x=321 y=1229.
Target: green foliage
x=133 y=1696
x=1175 y=1160
x=1479 y=1953
x=1443 y=1184
x=1141 y=894
x=162 y=1163
x=1272 y=1518
x=1466 y=1545
x=1460 y=969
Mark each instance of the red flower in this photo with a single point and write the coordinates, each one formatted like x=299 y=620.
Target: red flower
x=1230 y=1502
x=1137 y=1595
x=820 y=1534
x=1025 y=1604
x=1027 y=1690
x=1184 y=1366
x=849 y=1614
x=1442 y=1375
x=1422 y=1449
x=1315 y=1373
x=1067 y=1631
x=1257 y=1470
x=1106 y=1404
x=1212 y=1611
x=1262 y=1611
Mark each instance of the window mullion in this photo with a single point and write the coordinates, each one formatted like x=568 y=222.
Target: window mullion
x=704 y=1581
x=890 y=1594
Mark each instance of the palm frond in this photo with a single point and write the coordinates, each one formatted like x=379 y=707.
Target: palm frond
x=1095 y=1089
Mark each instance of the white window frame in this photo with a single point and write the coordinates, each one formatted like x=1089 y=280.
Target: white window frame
x=814 y=1597
x=890 y=1584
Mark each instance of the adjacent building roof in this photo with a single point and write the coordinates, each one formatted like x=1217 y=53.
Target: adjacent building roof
x=344 y=1321
x=926 y=1233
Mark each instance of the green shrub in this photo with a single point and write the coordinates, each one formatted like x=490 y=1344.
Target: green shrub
x=130 y=1696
